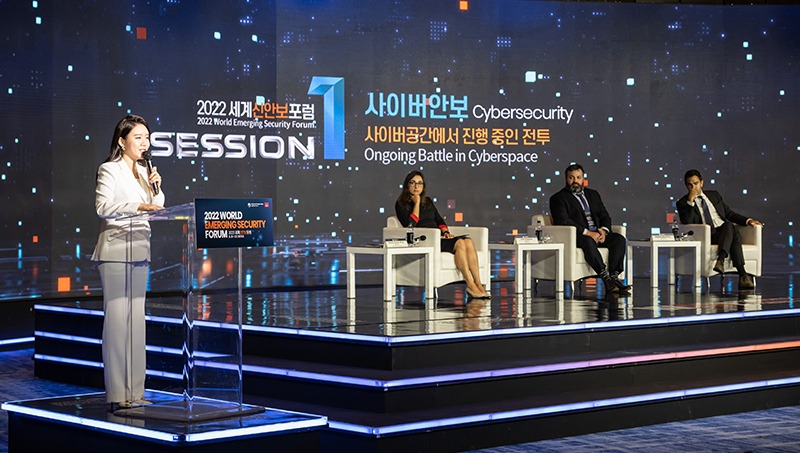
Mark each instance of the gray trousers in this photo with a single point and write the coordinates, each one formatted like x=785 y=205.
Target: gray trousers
x=124 y=362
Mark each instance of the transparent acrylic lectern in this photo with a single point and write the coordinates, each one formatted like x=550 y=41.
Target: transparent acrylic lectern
x=199 y=357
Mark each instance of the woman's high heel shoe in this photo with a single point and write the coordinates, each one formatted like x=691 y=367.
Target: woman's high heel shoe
x=474 y=295
x=480 y=295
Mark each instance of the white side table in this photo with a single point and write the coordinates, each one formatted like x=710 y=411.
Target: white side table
x=522 y=255
x=654 y=246
x=388 y=254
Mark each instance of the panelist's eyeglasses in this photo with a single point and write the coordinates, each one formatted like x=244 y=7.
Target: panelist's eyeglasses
x=416 y=184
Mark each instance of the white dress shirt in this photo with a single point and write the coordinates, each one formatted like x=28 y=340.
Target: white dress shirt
x=718 y=221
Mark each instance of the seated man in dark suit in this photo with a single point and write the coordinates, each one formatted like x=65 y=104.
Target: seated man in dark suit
x=583 y=208
x=698 y=205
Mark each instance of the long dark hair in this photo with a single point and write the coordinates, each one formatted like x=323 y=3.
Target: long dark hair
x=405 y=195
x=124 y=127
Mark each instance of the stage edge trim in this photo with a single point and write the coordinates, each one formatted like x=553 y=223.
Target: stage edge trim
x=457 y=377
x=594 y=326
x=158 y=435
x=17 y=341
x=560 y=409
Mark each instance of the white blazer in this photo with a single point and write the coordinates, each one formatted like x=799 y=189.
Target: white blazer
x=118 y=193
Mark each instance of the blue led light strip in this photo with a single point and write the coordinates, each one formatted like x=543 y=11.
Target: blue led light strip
x=77 y=311
x=92 y=364
x=594 y=326
x=499 y=373
x=319 y=422
x=149 y=348
x=166 y=320
x=16 y=341
x=163 y=436
x=52 y=358
x=559 y=409
x=98 y=424
x=375 y=383
x=75 y=338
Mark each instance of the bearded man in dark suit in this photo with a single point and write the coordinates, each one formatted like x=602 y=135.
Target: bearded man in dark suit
x=698 y=205
x=583 y=208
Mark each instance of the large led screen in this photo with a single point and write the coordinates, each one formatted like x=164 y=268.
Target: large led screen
x=324 y=106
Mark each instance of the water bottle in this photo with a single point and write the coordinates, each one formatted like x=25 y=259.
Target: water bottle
x=539 y=231
x=410 y=235
x=676 y=231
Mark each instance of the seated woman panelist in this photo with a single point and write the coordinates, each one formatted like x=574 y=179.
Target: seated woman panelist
x=414 y=208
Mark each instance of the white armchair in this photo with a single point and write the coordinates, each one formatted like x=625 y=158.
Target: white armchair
x=575 y=267
x=751 y=248
x=409 y=270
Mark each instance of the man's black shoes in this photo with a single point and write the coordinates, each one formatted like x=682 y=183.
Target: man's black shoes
x=616 y=287
x=745 y=282
x=622 y=286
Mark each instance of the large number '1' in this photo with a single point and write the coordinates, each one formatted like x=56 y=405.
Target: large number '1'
x=332 y=91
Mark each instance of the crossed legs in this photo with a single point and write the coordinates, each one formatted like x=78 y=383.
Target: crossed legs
x=466 y=260
x=730 y=244
x=729 y=240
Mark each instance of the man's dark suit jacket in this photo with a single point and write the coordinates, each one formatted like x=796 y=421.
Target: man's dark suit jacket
x=567 y=210
x=691 y=214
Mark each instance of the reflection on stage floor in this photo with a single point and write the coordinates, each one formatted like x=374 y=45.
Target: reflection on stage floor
x=329 y=310
x=453 y=311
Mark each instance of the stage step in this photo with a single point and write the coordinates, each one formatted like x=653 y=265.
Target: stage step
x=527 y=420
x=441 y=387
x=475 y=389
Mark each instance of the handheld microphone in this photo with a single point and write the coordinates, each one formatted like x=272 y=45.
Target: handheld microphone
x=148 y=159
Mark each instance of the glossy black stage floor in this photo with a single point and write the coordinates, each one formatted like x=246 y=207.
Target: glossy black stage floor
x=457 y=374
x=79 y=423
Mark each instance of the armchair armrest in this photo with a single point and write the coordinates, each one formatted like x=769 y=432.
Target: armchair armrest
x=393 y=233
x=702 y=232
x=750 y=235
x=561 y=233
x=479 y=236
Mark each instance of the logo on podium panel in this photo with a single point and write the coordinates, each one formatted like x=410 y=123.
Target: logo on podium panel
x=233 y=222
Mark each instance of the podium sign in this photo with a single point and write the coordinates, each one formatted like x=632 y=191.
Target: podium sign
x=208 y=331
x=233 y=222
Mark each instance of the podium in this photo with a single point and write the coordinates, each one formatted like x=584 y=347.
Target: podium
x=209 y=324
x=195 y=346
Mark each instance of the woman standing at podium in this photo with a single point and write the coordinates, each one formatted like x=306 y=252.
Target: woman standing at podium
x=123 y=255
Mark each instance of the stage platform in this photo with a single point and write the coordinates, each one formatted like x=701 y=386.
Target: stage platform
x=456 y=374
x=85 y=423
